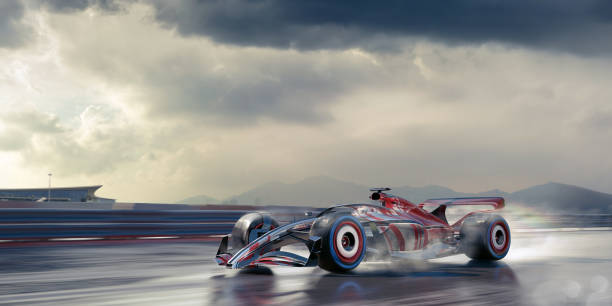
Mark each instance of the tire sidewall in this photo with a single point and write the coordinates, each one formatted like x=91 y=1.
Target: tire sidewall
x=240 y=236
x=492 y=222
x=331 y=239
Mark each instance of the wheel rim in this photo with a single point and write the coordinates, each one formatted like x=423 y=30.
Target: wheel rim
x=498 y=237
x=348 y=242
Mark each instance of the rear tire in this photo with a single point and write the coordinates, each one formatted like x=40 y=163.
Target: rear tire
x=343 y=242
x=485 y=237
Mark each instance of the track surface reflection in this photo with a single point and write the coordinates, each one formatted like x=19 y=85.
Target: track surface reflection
x=565 y=268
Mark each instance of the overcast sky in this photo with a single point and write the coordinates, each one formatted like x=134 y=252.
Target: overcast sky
x=161 y=100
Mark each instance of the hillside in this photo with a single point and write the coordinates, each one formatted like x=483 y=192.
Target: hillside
x=563 y=198
x=322 y=191
x=199 y=199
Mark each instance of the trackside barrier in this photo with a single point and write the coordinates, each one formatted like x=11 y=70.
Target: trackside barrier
x=44 y=221
x=34 y=224
x=109 y=231
x=34 y=215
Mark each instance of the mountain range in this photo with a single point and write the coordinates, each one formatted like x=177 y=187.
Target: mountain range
x=323 y=191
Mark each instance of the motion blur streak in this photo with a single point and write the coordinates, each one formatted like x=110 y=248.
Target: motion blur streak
x=554 y=268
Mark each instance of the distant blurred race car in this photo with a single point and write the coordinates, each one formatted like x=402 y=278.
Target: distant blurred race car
x=341 y=237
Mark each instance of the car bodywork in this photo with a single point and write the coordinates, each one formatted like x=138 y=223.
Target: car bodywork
x=394 y=228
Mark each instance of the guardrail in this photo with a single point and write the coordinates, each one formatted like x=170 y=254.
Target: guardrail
x=34 y=224
x=34 y=215
x=39 y=224
x=110 y=231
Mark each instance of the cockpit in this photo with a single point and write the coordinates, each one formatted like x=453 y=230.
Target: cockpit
x=377 y=191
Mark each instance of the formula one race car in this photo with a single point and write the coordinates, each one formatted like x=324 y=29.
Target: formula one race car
x=341 y=237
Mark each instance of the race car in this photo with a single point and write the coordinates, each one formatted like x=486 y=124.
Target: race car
x=341 y=237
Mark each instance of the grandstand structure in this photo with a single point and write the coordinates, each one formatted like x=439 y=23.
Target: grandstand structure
x=57 y=194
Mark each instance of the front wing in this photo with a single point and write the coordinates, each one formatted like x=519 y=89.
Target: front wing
x=265 y=249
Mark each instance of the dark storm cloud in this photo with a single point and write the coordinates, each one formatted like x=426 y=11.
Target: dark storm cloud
x=13 y=32
x=576 y=26
x=67 y=6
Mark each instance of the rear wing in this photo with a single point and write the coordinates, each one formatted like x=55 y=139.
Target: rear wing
x=440 y=212
x=497 y=202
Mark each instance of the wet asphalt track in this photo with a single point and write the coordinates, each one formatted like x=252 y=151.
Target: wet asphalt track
x=558 y=268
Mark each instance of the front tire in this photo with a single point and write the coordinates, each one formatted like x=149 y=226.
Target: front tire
x=485 y=237
x=250 y=227
x=343 y=242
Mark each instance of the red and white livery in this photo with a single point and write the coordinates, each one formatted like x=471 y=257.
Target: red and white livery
x=343 y=236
